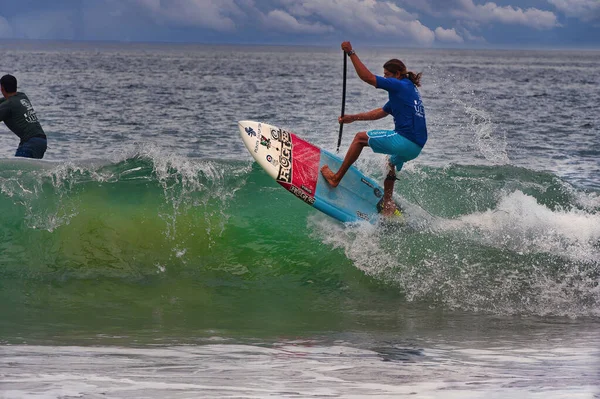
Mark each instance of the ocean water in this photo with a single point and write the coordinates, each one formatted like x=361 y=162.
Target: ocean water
x=147 y=256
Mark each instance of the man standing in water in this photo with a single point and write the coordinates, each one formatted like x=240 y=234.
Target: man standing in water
x=405 y=142
x=17 y=113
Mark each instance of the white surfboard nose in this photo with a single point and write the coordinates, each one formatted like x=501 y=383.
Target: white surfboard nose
x=242 y=125
x=249 y=133
x=247 y=127
x=245 y=124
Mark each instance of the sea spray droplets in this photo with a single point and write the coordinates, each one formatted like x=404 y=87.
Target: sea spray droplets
x=590 y=201
x=491 y=145
x=44 y=190
x=192 y=183
x=463 y=122
x=358 y=243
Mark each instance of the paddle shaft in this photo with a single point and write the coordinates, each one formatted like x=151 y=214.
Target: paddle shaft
x=343 y=101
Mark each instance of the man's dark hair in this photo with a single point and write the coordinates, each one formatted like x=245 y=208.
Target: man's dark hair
x=9 y=83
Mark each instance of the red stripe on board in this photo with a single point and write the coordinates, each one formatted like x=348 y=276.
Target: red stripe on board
x=305 y=165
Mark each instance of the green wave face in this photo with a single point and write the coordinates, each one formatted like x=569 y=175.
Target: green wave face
x=181 y=244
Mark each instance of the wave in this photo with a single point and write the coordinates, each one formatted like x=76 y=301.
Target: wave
x=498 y=239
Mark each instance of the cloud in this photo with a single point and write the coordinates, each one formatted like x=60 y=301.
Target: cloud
x=374 y=17
x=384 y=21
x=488 y=13
x=284 y=22
x=215 y=15
x=389 y=22
x=381 y=18
x=448 y=35
x=471 y=37
x=491 y=12
x=585 y=10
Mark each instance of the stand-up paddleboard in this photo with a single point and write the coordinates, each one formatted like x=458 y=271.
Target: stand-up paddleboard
x=296 y=164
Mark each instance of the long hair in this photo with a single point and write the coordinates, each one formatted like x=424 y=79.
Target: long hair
x=395 y=65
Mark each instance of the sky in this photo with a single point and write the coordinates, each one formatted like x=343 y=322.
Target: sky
x=403 y=23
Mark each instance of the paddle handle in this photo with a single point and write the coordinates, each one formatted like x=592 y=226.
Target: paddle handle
x=343 y=101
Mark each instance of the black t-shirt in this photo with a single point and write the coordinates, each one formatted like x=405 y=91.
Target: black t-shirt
x=18 y=115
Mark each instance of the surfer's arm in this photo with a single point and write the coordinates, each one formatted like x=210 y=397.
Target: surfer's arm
x=4 y=110
x=365 y=116
x=361 y=70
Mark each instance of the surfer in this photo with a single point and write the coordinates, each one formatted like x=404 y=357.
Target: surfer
x=405 y=142
x=17 y=113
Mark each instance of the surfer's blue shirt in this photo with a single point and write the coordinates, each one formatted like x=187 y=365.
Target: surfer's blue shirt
x=406 y=107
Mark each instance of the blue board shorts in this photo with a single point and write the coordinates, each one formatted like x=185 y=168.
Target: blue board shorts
x=399 y=148
x=35 y=147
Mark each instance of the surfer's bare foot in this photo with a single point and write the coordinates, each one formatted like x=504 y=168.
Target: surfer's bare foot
x=329 y=176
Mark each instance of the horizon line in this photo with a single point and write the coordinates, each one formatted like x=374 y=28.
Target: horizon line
x=298 y=44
